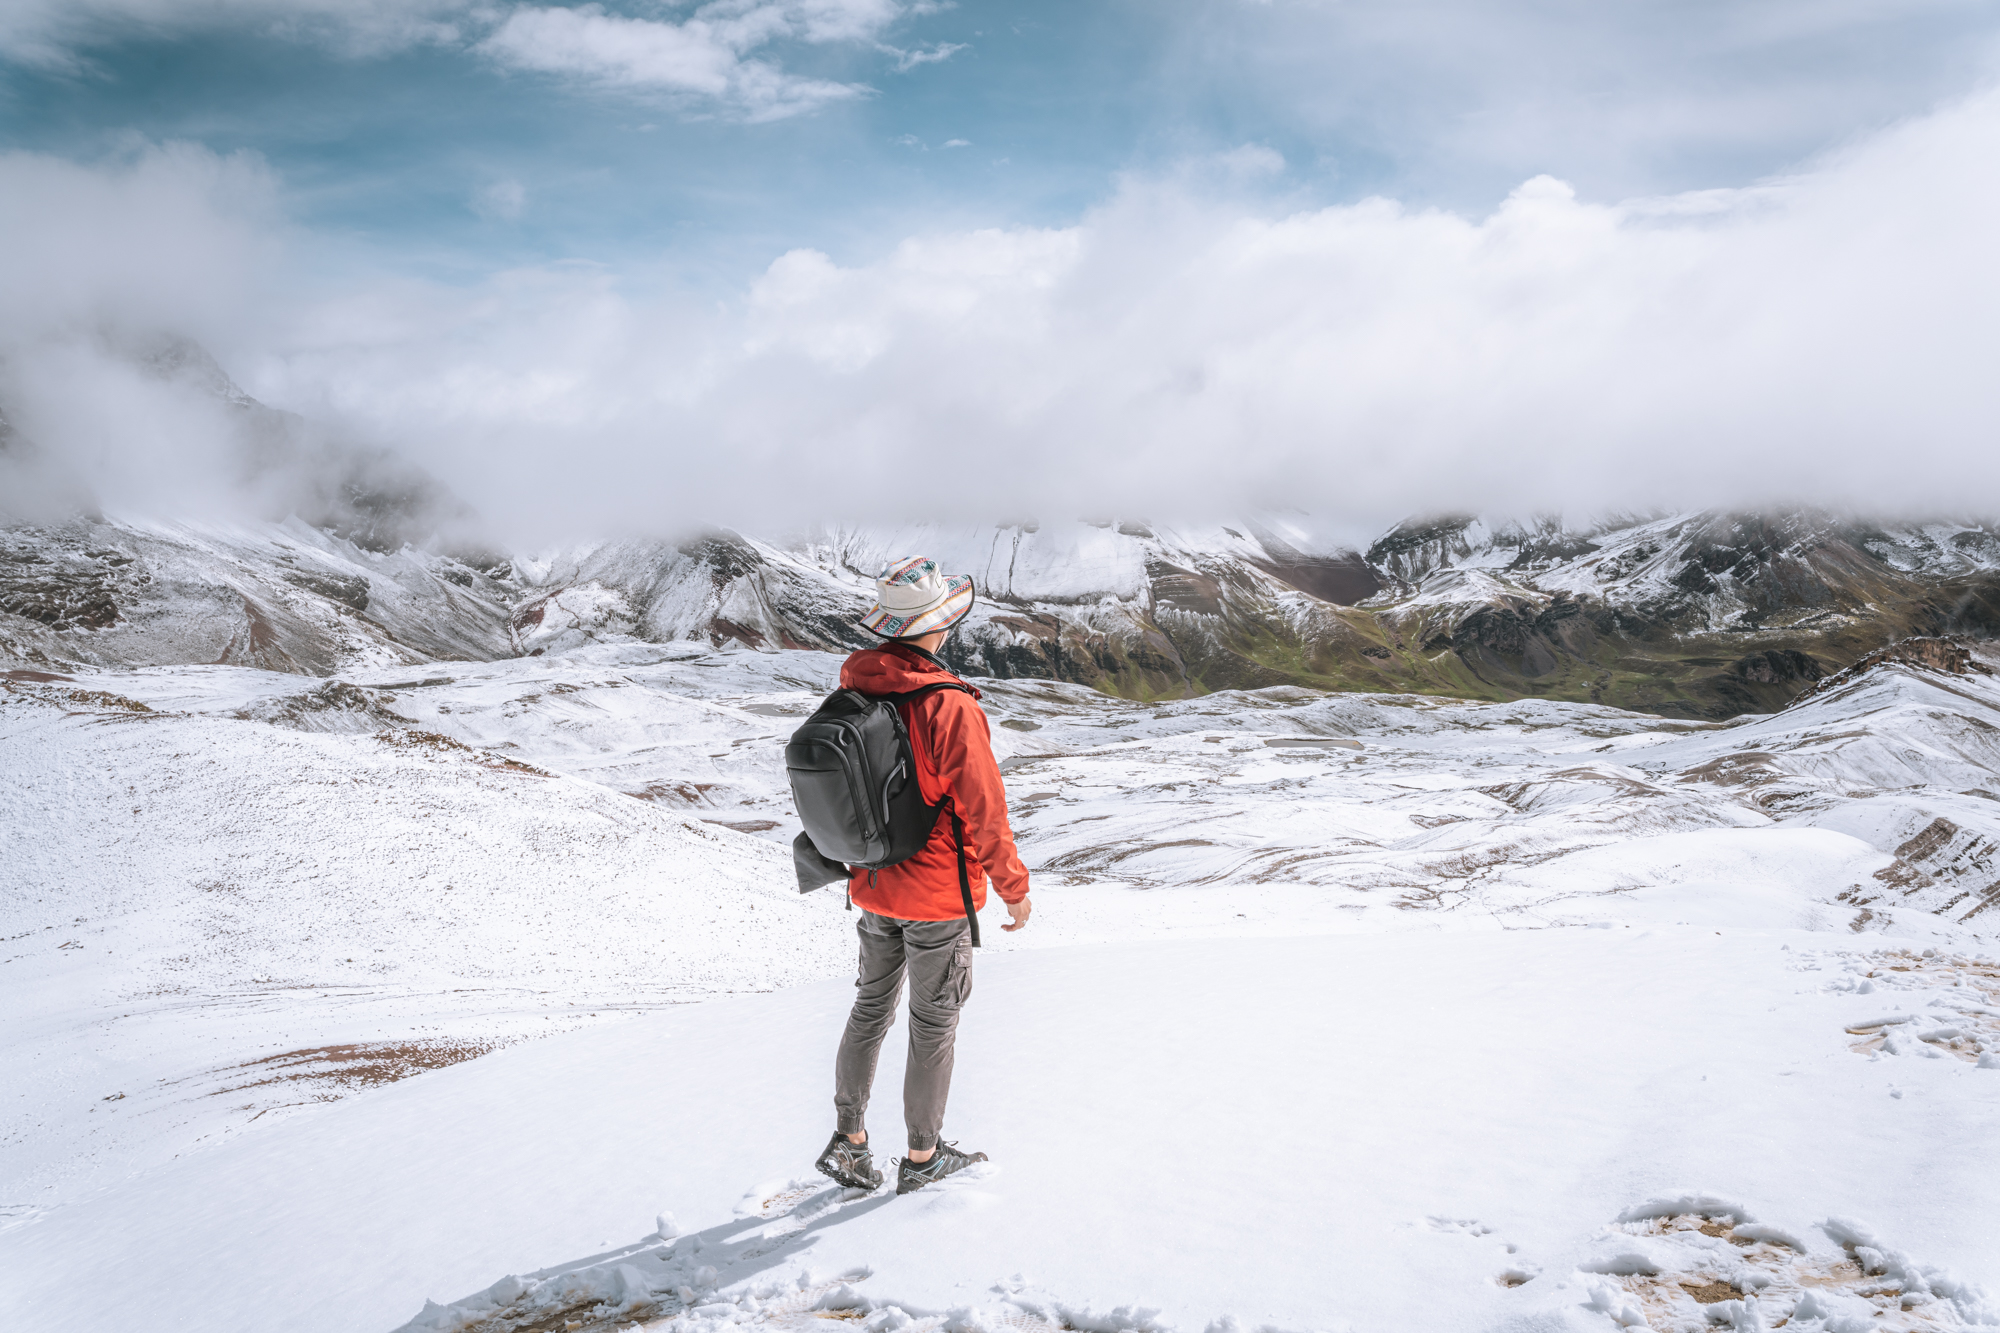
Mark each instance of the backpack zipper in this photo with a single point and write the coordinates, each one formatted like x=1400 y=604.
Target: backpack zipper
x=865 y=803
x=885 y=796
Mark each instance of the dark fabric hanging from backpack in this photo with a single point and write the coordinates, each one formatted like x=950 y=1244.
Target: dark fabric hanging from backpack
x=814 y=871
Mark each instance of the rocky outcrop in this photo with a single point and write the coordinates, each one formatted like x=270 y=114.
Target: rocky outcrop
x=63 y=587
x=1951 y=656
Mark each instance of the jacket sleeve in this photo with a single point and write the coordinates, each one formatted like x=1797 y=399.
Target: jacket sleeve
x=964 y=750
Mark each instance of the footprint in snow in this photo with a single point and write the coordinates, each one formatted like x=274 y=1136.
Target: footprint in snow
x=1511 y=1275
x=776 y=1198
x=789 y=1205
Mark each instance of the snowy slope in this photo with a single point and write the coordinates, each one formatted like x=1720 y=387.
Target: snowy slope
x=1181 y=1164
x=107 y=591
x=1391 y=978
x=1448 y=1131
x=191 y=893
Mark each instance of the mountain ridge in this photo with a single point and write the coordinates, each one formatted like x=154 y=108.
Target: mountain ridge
x=363 y=560
x=1696 y=615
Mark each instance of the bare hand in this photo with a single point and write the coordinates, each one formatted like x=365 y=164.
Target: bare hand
x=1019 y=911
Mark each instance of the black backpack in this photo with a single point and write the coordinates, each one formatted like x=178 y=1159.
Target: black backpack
x=854 y=784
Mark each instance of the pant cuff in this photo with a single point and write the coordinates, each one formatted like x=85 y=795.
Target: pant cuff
x=850 y=1124
x=922 y=1141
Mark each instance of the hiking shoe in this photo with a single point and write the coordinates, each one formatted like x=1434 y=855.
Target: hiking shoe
x=947 y=1159
x=849 y=1163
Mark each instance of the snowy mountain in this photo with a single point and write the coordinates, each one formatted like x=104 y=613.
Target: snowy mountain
x=359 y=560
x=1703 y=615
x=1697 y=615
x=1707 y=614
x=99 y=591
x=362 y=560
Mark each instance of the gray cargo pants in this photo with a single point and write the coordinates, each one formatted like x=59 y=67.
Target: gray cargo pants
x=938 y=957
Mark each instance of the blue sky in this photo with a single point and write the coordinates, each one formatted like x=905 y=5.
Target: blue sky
x=432 y=151
x=408 y=147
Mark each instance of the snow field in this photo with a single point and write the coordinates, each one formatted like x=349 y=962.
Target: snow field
x=189 y=895
x=1378 y=1038
x=1354 y=1131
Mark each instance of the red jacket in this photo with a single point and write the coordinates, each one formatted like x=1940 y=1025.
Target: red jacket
x=954 y=751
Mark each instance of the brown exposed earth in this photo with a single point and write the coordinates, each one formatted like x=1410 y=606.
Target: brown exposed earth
x=355 y=1065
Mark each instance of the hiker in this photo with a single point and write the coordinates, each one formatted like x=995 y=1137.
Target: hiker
x=918 y=915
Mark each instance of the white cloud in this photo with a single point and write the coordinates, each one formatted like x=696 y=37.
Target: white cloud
x=95 y=264
x=174 y=236
x=1822 y=338
x=1183 y=349
x=1455 y=100
x=912 y=141
x=707 y=55
x=907 y=60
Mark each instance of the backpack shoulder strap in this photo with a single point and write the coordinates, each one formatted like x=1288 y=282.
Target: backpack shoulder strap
x=911 y=696
x=957 y=824
x=964 y=879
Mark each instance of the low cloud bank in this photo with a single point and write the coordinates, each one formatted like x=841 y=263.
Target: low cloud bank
x=1187 y=348
x=103 y=271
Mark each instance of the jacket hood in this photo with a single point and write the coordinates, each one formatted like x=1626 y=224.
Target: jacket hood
x=894 y=669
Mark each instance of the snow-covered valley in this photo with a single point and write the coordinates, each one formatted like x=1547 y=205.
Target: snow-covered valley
x=1367 y=1011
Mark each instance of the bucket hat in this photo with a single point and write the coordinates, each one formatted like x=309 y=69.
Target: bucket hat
x=912 y=599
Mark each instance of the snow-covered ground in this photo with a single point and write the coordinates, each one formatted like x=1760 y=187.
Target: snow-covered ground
x=1337 y=1011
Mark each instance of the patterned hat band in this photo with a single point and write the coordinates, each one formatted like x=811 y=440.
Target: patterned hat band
x=913 y=598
